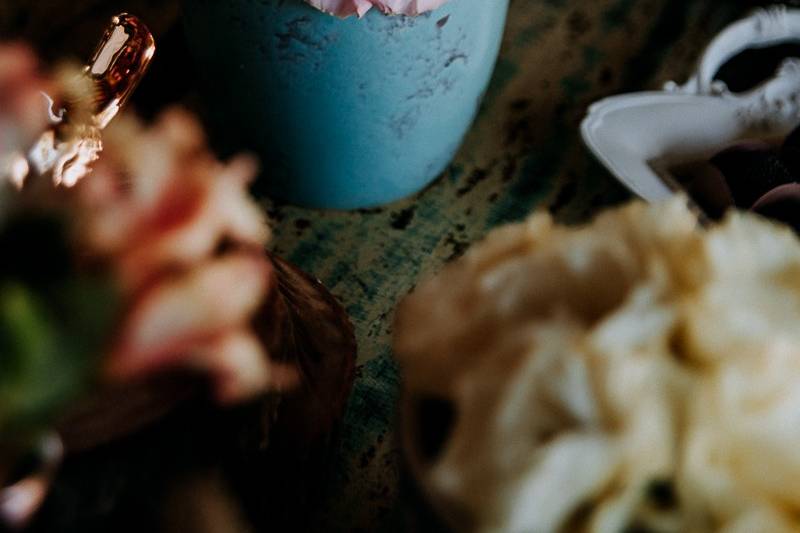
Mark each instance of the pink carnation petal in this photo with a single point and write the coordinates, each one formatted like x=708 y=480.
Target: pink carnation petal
x=178 y=315
x=181 y=131
x=23 y=110
x=240 y=368
x=346 y=8
x=192 y=221
x=342 y=8
x=172 y=213
x=239 y=216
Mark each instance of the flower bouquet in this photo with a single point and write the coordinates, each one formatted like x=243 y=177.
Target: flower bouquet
x=135 y=279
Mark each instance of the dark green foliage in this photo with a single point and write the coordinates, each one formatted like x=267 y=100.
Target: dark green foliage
x=53 y=324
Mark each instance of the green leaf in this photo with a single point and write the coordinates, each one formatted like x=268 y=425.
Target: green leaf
x=50 y=344
x=54 y=322
x=31 y=382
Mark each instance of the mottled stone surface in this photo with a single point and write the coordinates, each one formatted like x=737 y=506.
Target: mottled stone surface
x=523 y=153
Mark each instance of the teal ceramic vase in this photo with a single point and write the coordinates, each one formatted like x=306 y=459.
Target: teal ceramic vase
x=344 y=113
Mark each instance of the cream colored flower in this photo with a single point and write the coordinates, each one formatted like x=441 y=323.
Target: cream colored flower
x=638 y=372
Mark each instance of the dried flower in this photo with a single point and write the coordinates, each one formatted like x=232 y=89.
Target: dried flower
x=640 y=373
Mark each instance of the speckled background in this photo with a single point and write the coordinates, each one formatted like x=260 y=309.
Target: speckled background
x=523 y=153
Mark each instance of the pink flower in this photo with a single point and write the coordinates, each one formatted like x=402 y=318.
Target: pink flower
x=23 y=109
x=22 y=105
x=172 y=226
x=200 y=319
x=32 y=133
x=159 y=200
x=186 y=242
x=346 y=8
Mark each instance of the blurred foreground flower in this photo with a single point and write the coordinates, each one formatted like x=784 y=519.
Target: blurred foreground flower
x=124 y=290
x=23 y=109
x=185 y=242
x=155 y=264
x=638 y=374
x=54 y=127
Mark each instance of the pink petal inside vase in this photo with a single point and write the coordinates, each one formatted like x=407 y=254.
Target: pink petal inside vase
x=347 y=8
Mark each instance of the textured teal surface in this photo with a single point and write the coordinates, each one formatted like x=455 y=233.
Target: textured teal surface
x=523 y=153
x=345 y=113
